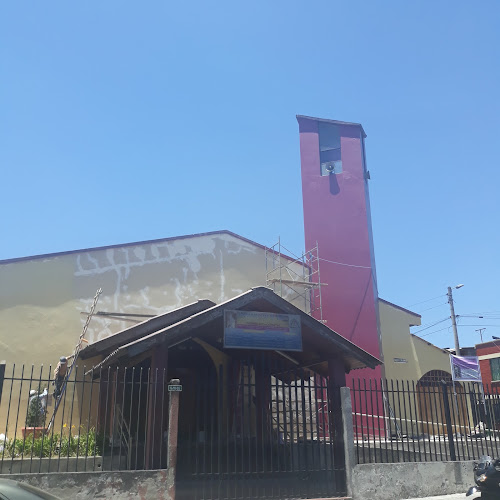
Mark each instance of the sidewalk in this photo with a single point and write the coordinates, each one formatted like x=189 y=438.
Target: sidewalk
x=456 y=496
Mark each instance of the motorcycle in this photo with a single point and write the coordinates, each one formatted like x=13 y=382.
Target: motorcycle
x=487 y=478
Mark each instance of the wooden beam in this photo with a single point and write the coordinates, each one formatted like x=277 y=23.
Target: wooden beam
x=145 y=328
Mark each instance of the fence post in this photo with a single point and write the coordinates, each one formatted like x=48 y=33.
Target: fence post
x=2 y=376
x=336 y=380
x=447 y=416
x=159 y=365
x=348 y=429
x=173 y=426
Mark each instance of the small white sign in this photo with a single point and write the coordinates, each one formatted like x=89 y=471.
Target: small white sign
x=174 y=388
x=400 y=360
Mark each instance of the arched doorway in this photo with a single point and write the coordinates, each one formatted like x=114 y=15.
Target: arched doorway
x=431 y=403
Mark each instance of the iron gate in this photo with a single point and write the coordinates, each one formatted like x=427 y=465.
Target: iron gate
x=259 y=430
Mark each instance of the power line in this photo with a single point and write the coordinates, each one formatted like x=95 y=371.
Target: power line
x=485 y=312
x=498 y=324
x=445 y=328
x=475 y=316
x=436 y=331
x=428 y=300
x=479 y=317
x=430 y=326
x=433 y=307
x=343 y=263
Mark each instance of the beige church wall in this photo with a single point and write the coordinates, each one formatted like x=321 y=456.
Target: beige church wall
x=43 y=301
x=406 y=359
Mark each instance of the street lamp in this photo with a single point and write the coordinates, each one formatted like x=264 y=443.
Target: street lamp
x=453 y=318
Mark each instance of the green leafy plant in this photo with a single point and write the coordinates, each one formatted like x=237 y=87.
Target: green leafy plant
x=36 y=412
x=67 y=445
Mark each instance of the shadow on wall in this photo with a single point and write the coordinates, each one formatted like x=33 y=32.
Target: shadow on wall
x=367 y=287
x=334 y=184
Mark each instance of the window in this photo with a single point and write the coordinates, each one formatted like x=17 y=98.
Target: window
x=329 y=148
x=495 y=369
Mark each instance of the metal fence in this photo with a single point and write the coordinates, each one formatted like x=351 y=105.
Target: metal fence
x=259 y=431
x=266 y=423
x=432 y=420
x=256 y=428
x=101 y=420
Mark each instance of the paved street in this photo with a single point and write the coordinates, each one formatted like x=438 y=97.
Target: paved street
x=458 y=496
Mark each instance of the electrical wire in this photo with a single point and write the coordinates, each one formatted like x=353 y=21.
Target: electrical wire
x=485 y=312
x=428 y=300
x=433 y=307
x=498 y=324
x=430 y=326
x=343 y=264
x=436 y=331
x=441 y=329
x=480 y=317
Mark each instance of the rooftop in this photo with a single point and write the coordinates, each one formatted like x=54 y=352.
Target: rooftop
x=320 y=343
x=135 y=243
x=335 y=122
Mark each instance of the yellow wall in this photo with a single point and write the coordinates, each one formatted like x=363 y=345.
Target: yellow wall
x=421 y=357
x=397 y=342
x=42 y=299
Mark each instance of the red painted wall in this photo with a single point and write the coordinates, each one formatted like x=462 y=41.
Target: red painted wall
x=337 y=216
x=484 y=364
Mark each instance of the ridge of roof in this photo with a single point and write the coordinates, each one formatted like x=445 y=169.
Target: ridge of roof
x=352 y=351
x=489 y=343
x=401 y=308
x=134 y=243
x=335 y=122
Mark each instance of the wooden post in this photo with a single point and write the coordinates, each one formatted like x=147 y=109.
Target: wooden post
x=336 y=380
x=173 y=432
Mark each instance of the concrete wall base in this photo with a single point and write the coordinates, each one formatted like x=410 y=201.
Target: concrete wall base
x=411 y=480
x=27 y=465
x=124 y=485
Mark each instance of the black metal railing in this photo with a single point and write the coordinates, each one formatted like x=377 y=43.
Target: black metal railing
x=432 y=420
x=248 y=427
x=260 y=430
x=101 y=421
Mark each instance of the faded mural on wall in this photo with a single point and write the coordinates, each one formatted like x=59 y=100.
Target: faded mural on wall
x=44 y=300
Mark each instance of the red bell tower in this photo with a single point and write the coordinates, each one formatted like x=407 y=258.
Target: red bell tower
x=337 y=217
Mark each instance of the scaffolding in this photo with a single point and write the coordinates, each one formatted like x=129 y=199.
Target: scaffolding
x=296 y=278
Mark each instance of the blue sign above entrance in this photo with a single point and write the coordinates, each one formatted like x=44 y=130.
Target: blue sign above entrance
x=258 y=330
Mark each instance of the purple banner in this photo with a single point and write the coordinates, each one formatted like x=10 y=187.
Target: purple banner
x=465 y=368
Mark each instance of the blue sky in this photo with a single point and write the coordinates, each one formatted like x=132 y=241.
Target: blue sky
x=125 y=121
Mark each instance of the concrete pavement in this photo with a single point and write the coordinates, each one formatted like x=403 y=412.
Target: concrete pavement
x=457 y=496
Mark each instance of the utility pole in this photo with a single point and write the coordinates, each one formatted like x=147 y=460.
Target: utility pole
x=481 y=330
x=454 y=319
